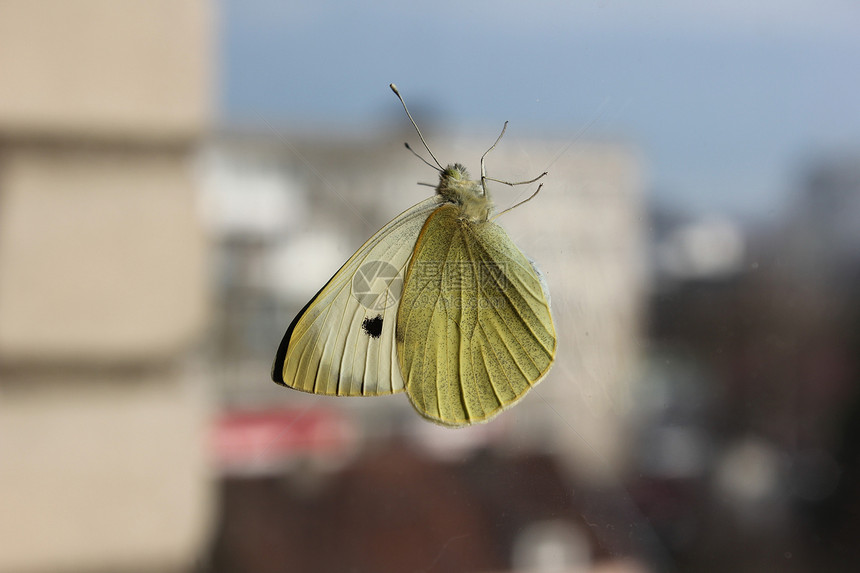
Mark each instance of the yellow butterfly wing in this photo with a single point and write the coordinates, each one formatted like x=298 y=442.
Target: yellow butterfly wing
x=474 y=329
x=342 y=342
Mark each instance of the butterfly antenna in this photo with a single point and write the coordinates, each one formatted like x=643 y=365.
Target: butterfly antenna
x=512 y=183
x=483 y=167
x=415 y=125
x=521 y=202
x=415 y=153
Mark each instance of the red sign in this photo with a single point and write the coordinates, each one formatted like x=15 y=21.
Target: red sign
x=259 y=439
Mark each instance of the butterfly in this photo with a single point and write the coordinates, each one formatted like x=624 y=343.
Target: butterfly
x=439 y=303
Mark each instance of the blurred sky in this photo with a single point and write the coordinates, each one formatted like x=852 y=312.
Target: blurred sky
x=727 y=100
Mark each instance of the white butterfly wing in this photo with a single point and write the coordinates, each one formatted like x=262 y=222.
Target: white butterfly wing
x=342 y=342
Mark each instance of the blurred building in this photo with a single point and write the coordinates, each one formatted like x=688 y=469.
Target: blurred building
x=752 y=385
x=102 y=284
x=824 y=226
x=288 y=210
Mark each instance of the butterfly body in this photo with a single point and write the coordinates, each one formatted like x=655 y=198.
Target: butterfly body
x=466 y=194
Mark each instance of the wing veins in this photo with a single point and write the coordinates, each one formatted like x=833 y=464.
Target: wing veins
x=486 y=368
x=465 y=237
x=511 y=304
x=502 y=370
x=433 y=314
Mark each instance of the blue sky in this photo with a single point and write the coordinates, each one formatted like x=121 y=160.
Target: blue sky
x=726 y=100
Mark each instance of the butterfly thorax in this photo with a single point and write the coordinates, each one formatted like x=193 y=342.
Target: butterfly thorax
x=456 y=187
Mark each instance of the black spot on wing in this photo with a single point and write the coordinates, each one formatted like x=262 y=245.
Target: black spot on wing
x=372 y=326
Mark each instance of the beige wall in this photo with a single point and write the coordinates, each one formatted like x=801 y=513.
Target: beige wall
x=128 y=69
x=102 y=284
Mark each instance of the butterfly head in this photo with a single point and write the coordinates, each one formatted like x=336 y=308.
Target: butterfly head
x=456 y=187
